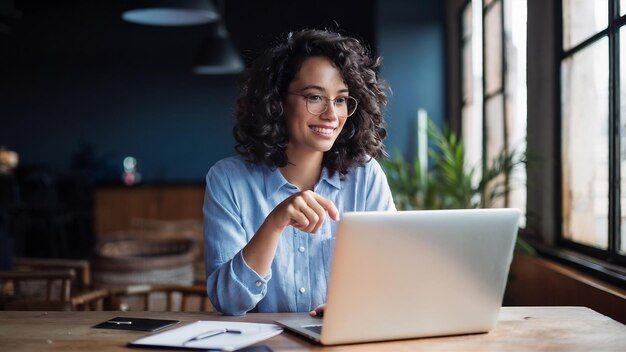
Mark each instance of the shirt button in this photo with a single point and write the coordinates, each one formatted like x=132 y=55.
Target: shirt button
x=258 y=283
x=301 y=249
x=302 y=290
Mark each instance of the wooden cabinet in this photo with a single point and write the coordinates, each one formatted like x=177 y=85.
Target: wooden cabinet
x=115 y=208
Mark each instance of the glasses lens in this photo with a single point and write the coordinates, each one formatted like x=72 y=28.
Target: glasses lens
x=351 y=105
x=344 y=106
x=315 y=104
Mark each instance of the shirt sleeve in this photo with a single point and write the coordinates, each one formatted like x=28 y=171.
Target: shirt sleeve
x=378 y=192
x=232 y=286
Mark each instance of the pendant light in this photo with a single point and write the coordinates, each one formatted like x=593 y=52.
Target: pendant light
x=217 y=54
x=170 y=13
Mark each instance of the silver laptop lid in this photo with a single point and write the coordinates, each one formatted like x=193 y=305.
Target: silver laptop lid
x=418 y=273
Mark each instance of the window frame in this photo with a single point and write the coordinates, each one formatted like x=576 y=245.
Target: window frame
x=610 y=258
x=544 y=47
x=543 y=77
x=501 y=91
x=485 y=97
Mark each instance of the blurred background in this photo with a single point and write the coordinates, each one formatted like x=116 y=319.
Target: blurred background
x=82 y=89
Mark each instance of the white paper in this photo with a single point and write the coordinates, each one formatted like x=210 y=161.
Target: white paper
x=250 y=333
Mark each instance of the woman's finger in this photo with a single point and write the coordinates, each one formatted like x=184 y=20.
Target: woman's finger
x=300 y=203
x=298 y=219
x=318 y=311
x=305 y=211
x=320 y=212
x=328 y=206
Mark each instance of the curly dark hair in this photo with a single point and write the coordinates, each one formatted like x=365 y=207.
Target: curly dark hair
x=260 y=128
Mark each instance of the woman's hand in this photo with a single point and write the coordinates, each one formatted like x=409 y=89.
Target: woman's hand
x=305 y=211
x=318 y=311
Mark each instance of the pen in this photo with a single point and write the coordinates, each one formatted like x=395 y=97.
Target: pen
x=118 y=322
x=212 y=333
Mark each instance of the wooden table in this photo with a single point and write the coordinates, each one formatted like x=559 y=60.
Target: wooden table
x=519 y=329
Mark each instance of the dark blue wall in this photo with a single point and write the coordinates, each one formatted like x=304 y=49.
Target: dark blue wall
x=410 y=38
x=75 y=73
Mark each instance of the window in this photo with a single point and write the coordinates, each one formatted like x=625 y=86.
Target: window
x=593 y=132
x=571 y=54
x=471 y=111
x=493 y=108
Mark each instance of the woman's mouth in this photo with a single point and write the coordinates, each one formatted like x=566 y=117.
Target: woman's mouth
x=326 y=131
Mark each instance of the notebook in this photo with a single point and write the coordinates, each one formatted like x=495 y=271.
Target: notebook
x=410 y=274
x=211 y=335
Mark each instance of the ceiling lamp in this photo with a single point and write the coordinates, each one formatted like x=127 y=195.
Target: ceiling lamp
x=170 y=13
x=217 y=54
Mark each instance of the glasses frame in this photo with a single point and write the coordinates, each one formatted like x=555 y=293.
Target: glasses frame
x=327 y=102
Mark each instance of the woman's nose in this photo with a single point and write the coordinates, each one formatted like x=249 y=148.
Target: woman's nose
x=331 y=112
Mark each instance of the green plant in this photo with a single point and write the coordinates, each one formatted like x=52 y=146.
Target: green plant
x=449 y=183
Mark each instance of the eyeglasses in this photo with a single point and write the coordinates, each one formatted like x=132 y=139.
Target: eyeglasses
x=318 y=104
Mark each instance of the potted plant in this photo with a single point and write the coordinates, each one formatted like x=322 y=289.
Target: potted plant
x=448 y=183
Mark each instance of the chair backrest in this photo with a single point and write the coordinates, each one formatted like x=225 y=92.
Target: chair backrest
x=50 y=284
x=36 y=290
x=160 y=297
x=90 y=300
x=82 y=268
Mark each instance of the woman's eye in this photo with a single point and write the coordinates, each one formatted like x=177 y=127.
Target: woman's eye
x=340 y=100
x=314 y=98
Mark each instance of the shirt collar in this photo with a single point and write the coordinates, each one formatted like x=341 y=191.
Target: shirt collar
x=334 y=180
x=274 y=180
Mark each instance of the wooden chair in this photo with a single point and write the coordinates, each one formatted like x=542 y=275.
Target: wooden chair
x=90 y=300
x=160 y=297
x=49 y=284
x=82 y=268
x=36 y=290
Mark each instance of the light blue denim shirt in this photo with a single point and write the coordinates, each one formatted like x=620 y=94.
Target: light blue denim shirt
x=239 y=196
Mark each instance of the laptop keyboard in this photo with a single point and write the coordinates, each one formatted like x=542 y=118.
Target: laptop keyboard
x=315 y=328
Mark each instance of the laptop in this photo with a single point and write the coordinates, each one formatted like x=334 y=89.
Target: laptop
x=411 y=274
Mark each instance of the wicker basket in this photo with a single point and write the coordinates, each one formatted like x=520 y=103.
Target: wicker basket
x=125 y=262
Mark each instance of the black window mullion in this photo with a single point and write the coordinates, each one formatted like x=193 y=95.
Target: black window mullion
x=614 y=133
x=558 y=122
x=505 y=124
x=484 y=92
x=488 y=7
x=464 y=40
x=494 y=94
x=582 y=45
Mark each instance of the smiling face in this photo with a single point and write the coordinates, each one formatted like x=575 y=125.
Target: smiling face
x=311 y=134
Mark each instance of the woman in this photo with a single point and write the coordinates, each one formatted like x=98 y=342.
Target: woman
x=308 y=125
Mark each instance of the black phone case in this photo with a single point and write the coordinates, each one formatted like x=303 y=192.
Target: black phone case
x=139 y=324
